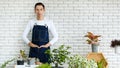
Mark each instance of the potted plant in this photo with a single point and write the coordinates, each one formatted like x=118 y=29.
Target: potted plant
x=77 y=61
x=58 y=56
x=116 y=44
x=93 y=40
x=22 y=57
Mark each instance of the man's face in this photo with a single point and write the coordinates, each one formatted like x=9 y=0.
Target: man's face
x=39 y=10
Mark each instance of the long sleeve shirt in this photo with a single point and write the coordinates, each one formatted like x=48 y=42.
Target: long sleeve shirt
x=31 y=24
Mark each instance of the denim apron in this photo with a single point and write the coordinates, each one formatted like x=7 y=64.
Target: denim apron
x=40 y=36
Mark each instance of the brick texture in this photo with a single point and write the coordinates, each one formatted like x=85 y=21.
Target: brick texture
x=72 y=19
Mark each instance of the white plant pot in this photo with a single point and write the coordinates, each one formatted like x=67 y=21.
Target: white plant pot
x=117 y=49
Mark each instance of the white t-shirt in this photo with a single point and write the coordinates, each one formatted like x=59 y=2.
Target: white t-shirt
x=47 y=22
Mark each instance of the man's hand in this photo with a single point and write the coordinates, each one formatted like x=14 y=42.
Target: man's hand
x=45 y=46
x=33 y=45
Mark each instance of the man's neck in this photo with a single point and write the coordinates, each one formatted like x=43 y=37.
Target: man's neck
x=40 y=18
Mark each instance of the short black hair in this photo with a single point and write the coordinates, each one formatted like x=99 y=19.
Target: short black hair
x=39 y=3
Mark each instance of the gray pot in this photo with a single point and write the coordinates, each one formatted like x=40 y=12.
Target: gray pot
x=57 y=67
x=95 y=48
x=31 y=61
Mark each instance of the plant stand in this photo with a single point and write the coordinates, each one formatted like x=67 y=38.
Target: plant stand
x=95 y=48
x=98 y=57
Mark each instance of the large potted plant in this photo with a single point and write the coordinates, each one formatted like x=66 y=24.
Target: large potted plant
x=93 y=40
x=116 y=44
x=77 y=61
x=59 y=55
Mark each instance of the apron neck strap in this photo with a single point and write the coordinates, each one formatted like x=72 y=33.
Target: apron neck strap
x=35 y=24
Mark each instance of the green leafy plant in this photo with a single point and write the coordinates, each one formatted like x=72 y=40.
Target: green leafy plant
x=101 y=63
x=58 y=56
x=7 y=62
x=77 y=61
x=22 y=54
x=44 y=66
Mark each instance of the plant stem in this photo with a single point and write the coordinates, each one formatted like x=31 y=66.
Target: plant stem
x=56 y=65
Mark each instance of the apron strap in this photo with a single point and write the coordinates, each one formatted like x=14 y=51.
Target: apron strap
x=35 y=24
x=46 y=26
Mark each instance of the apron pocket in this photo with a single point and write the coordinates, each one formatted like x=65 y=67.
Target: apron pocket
x=40 y=35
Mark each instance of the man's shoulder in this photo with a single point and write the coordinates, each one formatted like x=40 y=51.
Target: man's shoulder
x=48 y=20
x=32 y=20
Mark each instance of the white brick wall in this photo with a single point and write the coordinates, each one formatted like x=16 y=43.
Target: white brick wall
x=73 y=18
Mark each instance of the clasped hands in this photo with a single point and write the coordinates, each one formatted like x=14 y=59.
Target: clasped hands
x=42 y=46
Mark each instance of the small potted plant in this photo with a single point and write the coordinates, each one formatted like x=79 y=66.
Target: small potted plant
x=116 y=44
x=77 y=61
x=58 y=56
x=93 y=40
x=22 y=57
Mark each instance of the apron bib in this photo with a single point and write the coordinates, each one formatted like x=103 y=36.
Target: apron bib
x=40 y=36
